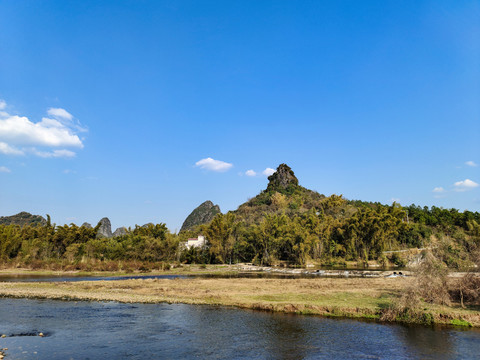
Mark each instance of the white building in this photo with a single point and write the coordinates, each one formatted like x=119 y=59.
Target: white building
x=197 y=242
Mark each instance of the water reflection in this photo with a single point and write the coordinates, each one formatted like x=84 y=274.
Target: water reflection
x=428 y=341
x=286 y=337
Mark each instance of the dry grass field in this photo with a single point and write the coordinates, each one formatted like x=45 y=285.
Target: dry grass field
x=349 y=297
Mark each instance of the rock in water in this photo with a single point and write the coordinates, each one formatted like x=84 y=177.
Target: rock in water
x=120 y=231
x=203 y=214
x=105 y=229
x=282 y=179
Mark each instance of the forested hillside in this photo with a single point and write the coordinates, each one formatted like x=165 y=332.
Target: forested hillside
x=22 y=218
x=285 y=223
x=202 y=214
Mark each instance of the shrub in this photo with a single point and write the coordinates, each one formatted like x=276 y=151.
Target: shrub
x=398 y=260
x=432 y=280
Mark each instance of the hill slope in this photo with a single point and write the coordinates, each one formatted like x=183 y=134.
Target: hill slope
x=284 y=195
x=202 y=214
x=23 y=218
x=287 y=222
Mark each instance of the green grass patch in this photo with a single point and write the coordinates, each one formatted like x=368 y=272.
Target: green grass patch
x=460 y=322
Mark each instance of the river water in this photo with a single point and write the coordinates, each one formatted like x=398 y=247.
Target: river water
x=246 y=275
x=109 y=330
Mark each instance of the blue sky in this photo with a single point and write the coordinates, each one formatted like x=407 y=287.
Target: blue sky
x=142 y=110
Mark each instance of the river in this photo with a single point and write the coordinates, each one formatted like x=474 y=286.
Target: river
x=220 y=275
x=109 y=330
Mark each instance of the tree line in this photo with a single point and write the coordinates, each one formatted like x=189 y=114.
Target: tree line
x=334 y=230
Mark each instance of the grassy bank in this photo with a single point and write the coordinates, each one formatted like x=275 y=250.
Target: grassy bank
x=354 y=298
x=180 y=270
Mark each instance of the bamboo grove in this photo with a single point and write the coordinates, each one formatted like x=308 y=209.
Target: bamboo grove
x=294 y=228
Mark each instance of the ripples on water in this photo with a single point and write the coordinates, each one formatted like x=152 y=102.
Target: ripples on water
x=97 y=330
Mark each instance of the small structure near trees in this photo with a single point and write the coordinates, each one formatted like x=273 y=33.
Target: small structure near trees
x=198 y=242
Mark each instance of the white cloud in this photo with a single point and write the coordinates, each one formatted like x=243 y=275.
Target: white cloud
x=19 y=130
x=250 y=173
x=62 y=153
x=20 y=136
x=213 y=165
x=471 y=163
x=68 y=171
x=3 y=104
x=438 y=189
x=60 y=113
x=268 y=171
x=51 y=123
x=64 y=118
x=4 y=169
x=465 y=185
x=9 y=150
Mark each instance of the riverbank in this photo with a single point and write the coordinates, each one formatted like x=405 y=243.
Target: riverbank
x=180 y=270
x=213 y=270
x=365 y=298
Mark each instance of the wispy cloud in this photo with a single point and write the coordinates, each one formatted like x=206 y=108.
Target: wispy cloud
x=465 y=185
x=55 y=153
x=9 y=150
x=268 y=171
x=213 y=165
x=59 y=112
x=395 y=200
x=250 y=173
x=471 y=163
x=66 y=119
x=4 y=169
x=20 y=136
x=439 y=192
x=3 y=104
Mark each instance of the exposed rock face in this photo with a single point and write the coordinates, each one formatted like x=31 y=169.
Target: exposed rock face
x=282 y=179
x=22 y=219
x=203 y=214
x=105 y=229
x=120 y=231
x=87 y=225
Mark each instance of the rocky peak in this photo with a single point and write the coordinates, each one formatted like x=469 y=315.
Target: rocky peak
x=203 y=214
x=87 y=225
x=105 y=228
x=282 y=179
x=120 y=231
